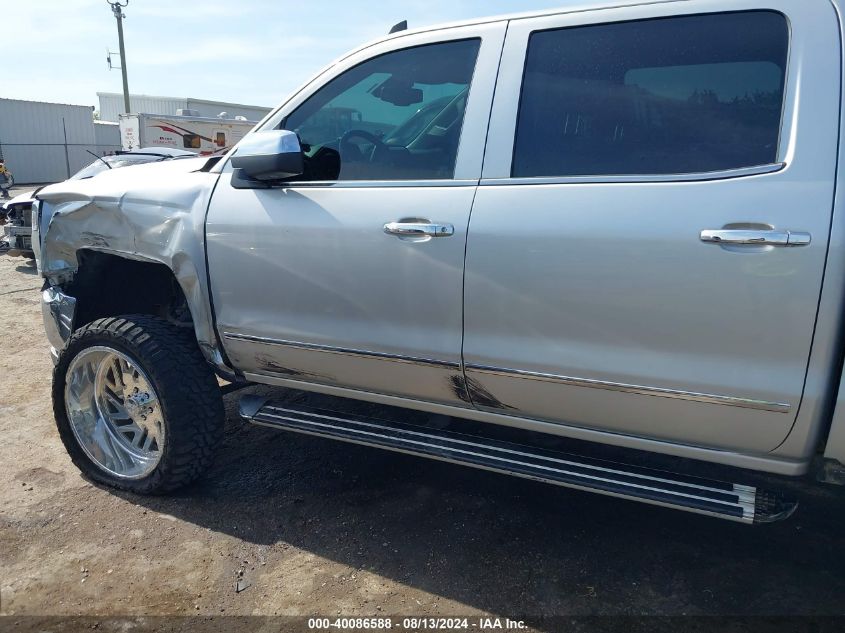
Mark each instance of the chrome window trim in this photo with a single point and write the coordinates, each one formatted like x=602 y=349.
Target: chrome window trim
x=345 y=184
x=709 y=398
x=498 y=159
x=490 y=31
x=724 y=174
x=314 y=347
x=717 y=12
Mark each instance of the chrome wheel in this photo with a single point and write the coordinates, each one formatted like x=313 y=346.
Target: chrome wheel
x=114 y=412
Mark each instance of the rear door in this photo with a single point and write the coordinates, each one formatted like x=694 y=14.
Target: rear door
x=647 y=244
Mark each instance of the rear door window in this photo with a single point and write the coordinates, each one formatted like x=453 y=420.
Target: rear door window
x=672 y=95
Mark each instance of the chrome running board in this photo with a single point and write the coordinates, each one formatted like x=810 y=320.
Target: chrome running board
x=731 y=501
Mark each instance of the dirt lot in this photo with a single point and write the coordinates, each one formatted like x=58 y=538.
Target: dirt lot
x=316 y=527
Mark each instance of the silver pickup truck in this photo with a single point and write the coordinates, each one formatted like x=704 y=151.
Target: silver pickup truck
x=601 y=247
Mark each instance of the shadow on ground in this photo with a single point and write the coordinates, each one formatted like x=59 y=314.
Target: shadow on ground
x=27 y=267
x=507 y=545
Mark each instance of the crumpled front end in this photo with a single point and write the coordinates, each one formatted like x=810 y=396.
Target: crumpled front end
x=149 y=213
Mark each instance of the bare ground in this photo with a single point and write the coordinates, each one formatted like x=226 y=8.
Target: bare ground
x=311 y=526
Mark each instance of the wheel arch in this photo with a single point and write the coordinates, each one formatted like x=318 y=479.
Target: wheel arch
x=108 y=284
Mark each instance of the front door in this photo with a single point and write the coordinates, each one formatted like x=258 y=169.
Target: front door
x=352 y=276
x=647 y=244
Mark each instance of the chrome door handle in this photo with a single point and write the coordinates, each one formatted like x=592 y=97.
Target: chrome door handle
x=758 y=237
x=419 y=229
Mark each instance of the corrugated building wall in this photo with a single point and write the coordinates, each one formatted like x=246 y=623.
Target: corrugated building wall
x=47 y=142
x=107 y=134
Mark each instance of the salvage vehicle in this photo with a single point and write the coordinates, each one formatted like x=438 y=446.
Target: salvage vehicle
x=16 y=218
x=611 y=257
x=18 y=211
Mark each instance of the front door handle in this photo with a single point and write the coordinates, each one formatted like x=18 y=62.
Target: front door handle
x=419 y=229
x=755 y=237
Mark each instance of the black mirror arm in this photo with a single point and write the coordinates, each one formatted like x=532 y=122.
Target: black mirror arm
x=241 y=181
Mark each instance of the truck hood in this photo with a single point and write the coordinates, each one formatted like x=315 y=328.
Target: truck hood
x=138 y=211
x=127 y=177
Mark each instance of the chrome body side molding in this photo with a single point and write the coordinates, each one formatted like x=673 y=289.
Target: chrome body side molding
x=709 y=398
x=761 y=462
x=396 y=358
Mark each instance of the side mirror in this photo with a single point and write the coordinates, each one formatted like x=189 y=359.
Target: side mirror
x=264 y=157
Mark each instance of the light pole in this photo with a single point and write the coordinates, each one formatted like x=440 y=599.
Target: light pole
x=117 y=7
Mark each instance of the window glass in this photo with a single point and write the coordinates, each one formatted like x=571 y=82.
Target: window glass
x=671 y=95
x=191 y=141
x=395 y=117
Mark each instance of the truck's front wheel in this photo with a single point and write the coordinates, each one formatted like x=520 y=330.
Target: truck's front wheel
x=136 y=405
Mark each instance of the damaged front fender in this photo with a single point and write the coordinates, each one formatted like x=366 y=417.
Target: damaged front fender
x=153 y=213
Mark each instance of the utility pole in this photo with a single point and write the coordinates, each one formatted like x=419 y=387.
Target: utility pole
x=117 y=7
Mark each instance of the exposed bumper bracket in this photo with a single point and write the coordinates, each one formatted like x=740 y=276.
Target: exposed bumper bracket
x=59 y=313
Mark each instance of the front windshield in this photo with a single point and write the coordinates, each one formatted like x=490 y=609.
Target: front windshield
x=114 y=162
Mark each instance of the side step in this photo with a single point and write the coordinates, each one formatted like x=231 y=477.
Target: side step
x=735 y=502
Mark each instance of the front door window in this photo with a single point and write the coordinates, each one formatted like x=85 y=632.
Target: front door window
x=395 y=117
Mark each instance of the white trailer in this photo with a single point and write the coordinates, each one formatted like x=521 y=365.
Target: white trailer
x=196 y=134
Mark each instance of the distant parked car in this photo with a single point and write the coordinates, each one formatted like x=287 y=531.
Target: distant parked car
x=17 y=212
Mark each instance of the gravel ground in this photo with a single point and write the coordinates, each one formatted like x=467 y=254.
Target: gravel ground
x=311 y=526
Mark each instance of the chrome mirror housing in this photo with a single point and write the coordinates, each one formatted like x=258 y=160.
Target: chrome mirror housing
x=266 y=157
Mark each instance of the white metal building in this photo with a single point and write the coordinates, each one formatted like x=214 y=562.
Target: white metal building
x=111 y=106
x=48 y=142
x=106 y=133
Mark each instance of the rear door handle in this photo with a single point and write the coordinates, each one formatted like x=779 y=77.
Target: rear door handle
x=753 y=236
x=419 y=229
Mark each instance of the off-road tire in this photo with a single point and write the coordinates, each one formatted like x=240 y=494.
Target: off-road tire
x=188 y=392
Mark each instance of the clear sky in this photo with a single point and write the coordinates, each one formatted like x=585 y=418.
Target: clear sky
x=244 y=51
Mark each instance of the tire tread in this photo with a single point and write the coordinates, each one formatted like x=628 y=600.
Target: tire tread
x=187 y=388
